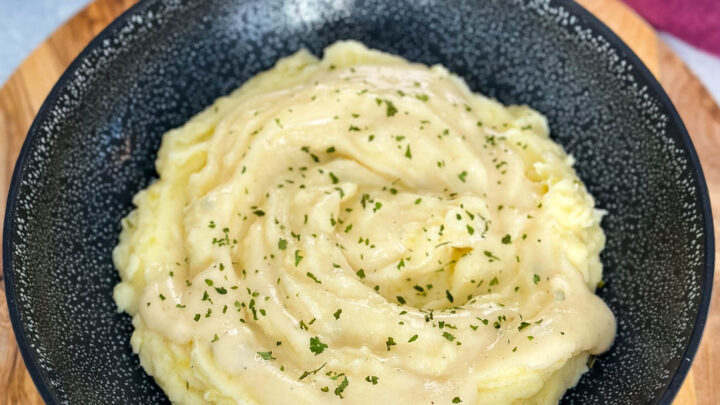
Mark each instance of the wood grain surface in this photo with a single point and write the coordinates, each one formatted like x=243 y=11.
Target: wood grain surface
x=24 y=92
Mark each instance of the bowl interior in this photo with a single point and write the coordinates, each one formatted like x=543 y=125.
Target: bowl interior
x=93 y=145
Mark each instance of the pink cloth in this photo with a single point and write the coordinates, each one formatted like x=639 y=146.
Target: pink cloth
x=694 y=21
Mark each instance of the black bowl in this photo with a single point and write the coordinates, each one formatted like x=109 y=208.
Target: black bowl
x=93 y=143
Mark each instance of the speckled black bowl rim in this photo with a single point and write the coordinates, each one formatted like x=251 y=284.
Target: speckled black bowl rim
x=38 y=376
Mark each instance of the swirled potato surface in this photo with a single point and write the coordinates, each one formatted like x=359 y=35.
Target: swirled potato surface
x=358 y=230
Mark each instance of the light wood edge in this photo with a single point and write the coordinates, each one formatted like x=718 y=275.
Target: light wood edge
x=20 y=98
x=630 y=27
x=701 y=115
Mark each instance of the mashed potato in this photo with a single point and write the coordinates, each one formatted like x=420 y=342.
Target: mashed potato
x=359 y=229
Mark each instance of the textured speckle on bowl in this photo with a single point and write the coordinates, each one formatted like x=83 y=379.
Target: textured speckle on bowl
x=93 y=143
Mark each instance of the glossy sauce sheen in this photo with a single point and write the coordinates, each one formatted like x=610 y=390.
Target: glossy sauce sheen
x=373 y=219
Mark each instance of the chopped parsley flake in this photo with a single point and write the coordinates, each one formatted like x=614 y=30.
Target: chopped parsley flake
x=390 y=342
x=282 y=244
x=312 y=276
x=536 y=278
x=334 y=178
x=391 y=110
x=259 y=213
x=422 y=97
x=361 y=273
x=408 y=153
x=265 y=355
x=449 y=296
x=298 y=258
x=456 y=400
x=337 y=313
x=490 y=255
x=307 y=373
x=340 y=388
x=448 y=336
x=413 y=338
x=317 y=346
x=221 y=290
x=506 y=240
x=372 y=379
x=523 y=325
x=462 y=176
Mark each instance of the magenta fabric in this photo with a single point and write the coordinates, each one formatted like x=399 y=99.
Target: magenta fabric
x=695 y=21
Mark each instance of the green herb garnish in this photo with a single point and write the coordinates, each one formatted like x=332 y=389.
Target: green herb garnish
x=313 y=278
x=372 y=379
x=391 y=110
x=390 y=342
x=340 y=388
x=265 y=355
x=449 y=296
x=317 y=346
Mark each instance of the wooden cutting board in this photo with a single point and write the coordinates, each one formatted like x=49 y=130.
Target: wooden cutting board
x=22 y=95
